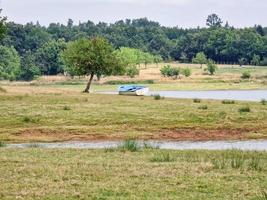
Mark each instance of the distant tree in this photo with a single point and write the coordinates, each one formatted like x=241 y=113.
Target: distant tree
x=2 y=26
x=158 y=59
x=211 y=67
x=242 y=61
x=184 y=58
x=214 y=21
x=256 y=60
x=29 y=69
x=93 y=57
x=259 y=30
x=48 y=57
x=200 y=59
x=9 y=63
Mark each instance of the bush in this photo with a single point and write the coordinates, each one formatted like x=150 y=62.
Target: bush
x=66 y=108
x=132 y=71
x=244 y=109
x=186 y=72
x=228 y=102
x=168 y=71
x=196 y=100
x=264 y=62
x=264 y=102
x=204 y=107
x=157 y=97
x=211 y=67
x=246 y=75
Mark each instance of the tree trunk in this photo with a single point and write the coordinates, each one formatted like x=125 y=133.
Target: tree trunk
x=87 y=89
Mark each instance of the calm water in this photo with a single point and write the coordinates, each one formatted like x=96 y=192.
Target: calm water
x=250 y=145
x=241 y=95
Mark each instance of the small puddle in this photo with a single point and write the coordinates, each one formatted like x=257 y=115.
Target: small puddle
x=249 y=145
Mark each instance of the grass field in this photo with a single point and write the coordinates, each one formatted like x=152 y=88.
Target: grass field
x=32 y=113
x=35 y=173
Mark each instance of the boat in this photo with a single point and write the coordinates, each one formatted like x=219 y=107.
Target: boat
x=135 y=90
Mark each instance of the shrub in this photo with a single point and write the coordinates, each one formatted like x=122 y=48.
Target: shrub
x=204 y=107
x=26 y=119
x=129 y=145
x=244 y=109
x=196 y=100
x=211 y=67
x=132 y=71
x=66 y=108
x=264 y=62
x=163 y=157
x=246 y=75
x=157 y=97
x=228 y=102
x=186 y=72
x=168 y=71
x=264 y=102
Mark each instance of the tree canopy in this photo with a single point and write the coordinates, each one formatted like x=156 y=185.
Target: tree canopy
x=91 y=57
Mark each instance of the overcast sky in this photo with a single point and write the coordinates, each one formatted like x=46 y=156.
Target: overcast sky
x=182 y=13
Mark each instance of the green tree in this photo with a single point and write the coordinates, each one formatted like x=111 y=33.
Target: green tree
x=211 y=67
x=93 y=57
x=2 y=26
x=214 y=21
x=200 y=59
x=29 y=69
x=256 y=60
x=48 y=57
x=9 y=63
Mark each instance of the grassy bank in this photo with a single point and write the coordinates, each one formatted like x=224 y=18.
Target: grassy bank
x=48 y=114
x=98 y=174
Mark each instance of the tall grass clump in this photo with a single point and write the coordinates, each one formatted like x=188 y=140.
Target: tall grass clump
x=237 y=160
x=262 y=196
x=245 y=109
x=228 y=102
x=255 y=163
x=130 y=145
x=162 y=157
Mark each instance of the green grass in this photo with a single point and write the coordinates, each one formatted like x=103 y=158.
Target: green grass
x=35 y=173
x=63 y=116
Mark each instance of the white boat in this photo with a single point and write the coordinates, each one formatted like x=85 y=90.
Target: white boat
x=135 y=90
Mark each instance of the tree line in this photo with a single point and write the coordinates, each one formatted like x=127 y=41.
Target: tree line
x=37 y=49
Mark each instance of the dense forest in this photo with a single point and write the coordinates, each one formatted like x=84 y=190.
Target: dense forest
x=37 y=49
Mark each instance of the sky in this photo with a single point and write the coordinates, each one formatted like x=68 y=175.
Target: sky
x=181 y=13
